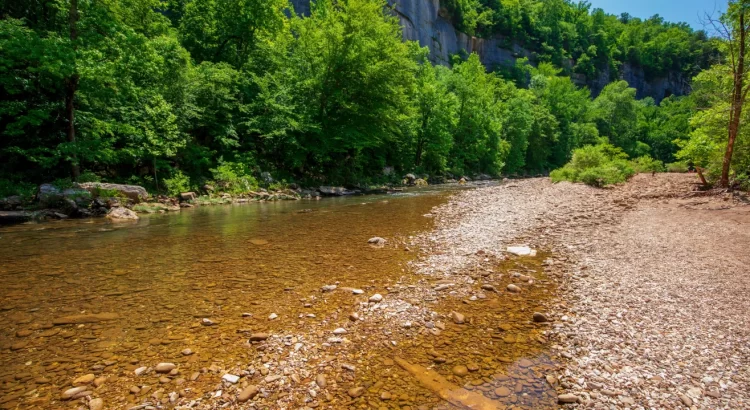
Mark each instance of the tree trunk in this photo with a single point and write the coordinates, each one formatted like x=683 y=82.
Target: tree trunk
x=737 y=102
x=71 y=86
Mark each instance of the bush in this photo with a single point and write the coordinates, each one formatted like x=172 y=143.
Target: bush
x=88 y=176
x=596 y=165
x=177 y=184
x=647 y=164
x=234 y=178
x=23 y=189
x=678 y=167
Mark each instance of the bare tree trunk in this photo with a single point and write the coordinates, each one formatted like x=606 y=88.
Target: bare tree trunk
x=71 y=86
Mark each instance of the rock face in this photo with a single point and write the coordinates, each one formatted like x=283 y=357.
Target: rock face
x=134 y=192
x=424 y=21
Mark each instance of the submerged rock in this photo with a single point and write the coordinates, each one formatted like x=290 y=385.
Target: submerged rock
x=81 y=319
x=376 y=241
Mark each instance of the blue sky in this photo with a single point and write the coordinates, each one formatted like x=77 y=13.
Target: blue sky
x=672 y=10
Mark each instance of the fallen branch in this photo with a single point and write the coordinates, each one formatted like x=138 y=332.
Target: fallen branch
x=447 y=390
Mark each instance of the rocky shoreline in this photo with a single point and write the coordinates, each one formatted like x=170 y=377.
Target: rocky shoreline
x=124 y=202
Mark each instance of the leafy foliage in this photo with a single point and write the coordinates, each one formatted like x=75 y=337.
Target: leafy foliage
x=596 y=165
x=172 y=94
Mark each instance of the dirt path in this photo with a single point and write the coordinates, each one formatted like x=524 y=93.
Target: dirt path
x=656 y=286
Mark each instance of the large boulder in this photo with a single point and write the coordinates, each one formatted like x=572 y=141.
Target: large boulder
x=134 y=192
x=48 y=195
x=335 y=191
x=122 y=214
x=11 y=203
x=13 y=217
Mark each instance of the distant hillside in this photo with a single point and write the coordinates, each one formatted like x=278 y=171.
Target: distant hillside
x=656 y=58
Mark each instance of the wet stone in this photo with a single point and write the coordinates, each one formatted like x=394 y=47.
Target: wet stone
x=165 y=367
x=355 y=392
x=248 y=393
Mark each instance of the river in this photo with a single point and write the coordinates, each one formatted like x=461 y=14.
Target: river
x=92 y=297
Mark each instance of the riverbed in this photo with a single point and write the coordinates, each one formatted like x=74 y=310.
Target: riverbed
x=107 y=302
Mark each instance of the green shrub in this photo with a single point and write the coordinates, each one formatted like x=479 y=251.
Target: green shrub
x=596 y=165
x=177 y=184
x=63 y=183
x=234 y=178
x=647 y=164
x=89 y=176
x=678 y=167
x=23 y=189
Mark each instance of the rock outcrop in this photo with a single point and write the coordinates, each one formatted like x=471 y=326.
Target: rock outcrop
x=134 y=192
x=424 y=21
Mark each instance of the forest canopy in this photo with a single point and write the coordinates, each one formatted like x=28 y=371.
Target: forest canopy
x=171 y=94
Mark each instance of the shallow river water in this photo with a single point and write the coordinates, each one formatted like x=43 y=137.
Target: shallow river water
x=94 y=297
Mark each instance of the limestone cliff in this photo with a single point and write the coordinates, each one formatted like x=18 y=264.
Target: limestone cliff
x=424 y=22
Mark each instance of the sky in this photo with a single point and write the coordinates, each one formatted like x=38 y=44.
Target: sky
x=688 y=11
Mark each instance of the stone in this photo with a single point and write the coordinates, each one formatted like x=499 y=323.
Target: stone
x=83 y=380
x=502 y=391
x=354 y=317
x=320 y=380
x=188 y=196
x=187 y=352
x=520 y=250
x=96 y=404
x=567 y=398
x=82 y=319
x=539 y=317
x=14 y=217
x=335 y=191
x=165 y=367
x=687 y=401
x=248 y=393
x=141 y=370
x=355 y=392
x=133 y=192
x=328 y=288
x=99 y=381
x=513 y=288
x=258 y=337
x=339 y=331
x=358 y=291
x=231 y=378
x=460 y=370
x=273 y=316
x=376 y=241
x=376 y=298
x=122 y=214
x=489 y=288
x=70 y=393
x=384 y=395
x=458 y=318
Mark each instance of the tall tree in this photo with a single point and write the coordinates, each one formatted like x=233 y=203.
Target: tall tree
x=734 y=26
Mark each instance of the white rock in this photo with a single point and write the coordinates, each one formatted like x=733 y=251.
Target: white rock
x=339 y=331
x=272 y=316
x=376 y=298
x=358 y=291
x=139 y=371
x=520 y=250
x=231 y=378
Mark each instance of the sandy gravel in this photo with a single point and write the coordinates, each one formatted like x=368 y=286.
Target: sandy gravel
x=655 y=284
